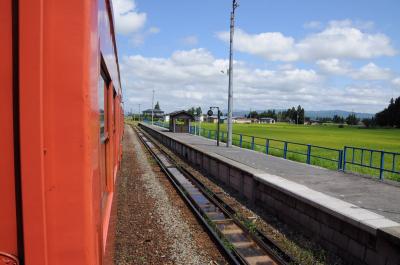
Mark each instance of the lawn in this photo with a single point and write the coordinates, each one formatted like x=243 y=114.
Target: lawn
x=330 y=136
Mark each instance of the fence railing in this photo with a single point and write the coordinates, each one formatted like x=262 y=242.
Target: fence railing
x=160 y=124
x=360 y=160
x=375 y=160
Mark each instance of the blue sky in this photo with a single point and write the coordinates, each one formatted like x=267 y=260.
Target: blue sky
x=320 y=54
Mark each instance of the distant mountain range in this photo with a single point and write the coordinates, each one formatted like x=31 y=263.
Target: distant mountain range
x=341 y=113
x=313 y=114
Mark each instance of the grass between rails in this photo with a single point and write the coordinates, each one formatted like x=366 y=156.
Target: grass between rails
x=330 y=136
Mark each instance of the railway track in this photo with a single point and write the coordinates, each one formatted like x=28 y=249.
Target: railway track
x=241 y=243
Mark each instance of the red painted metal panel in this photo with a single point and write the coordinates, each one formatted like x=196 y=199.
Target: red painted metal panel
x=8 y=226
x=65 y=221
x=31 y=108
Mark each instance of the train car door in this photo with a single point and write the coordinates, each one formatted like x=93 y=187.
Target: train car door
x=9 y=193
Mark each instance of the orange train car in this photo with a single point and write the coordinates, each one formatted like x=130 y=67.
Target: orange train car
x=61 y=124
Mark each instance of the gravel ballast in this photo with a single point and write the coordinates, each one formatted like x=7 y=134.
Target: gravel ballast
x=154 y=225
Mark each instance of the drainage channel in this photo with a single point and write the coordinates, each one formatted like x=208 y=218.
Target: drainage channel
x=239 y=244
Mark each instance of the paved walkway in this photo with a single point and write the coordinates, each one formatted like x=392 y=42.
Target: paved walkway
x=381 y=198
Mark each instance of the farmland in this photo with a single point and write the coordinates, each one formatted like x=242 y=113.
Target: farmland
x=323 y=135
x=329 y=136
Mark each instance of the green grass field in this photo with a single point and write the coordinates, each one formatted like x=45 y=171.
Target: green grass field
x=330 y=136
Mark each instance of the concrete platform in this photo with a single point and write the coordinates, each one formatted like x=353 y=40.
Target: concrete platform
x=366 y=193
x=354 y=216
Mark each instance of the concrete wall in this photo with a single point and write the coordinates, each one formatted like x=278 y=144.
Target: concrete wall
x=357 y=235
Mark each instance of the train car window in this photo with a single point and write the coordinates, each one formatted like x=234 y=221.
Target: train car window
x=101 y=95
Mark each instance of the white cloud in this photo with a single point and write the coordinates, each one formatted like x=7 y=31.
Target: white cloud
x=372 y=72
x=127 y=18
x=190 y=40
x=359 y=24
x=340 y=39
x=271 y=45
x=334 y=66
x=344 y=42
x=369 y=71
x=193 y=78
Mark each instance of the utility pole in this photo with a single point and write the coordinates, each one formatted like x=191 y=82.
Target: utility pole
x=230 y=89
x=139 y=112
x=152 y=109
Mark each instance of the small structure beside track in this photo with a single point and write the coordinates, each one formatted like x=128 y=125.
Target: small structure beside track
x=179 y=121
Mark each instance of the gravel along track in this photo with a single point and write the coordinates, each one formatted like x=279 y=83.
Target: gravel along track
x=138 y=238
x=179 y=237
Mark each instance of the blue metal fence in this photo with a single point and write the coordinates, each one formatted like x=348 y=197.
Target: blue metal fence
x=366 y=159
x=356 y=159
x=376 y=160
x=288 y=150
x=161 y=124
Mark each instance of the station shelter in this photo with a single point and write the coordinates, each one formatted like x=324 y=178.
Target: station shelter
x=179 y=121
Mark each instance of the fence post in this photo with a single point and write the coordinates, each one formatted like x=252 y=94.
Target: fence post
x=267 y=146
x=382 y=167
x=252 y=143
x=209 y=134
x=340 y=159
x=215 y=136
x=285 y=148
x=344 y=158
x=309 y=154
x=241 y=140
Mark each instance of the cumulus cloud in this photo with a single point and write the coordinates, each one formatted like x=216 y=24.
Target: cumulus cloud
x=369 y=71
x=372 y=72
x=193 y=78
x=334 y=66
x=270 y=45
x=344 y=42
x=340 y=39
x=127 y=19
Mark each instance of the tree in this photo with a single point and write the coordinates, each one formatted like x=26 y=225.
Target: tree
x=390 y=116
x=338 y=119
x=192 y=111
x=369 y=122
x=198 y=111
x=253 y=115
x=299 y=115
x=157 y=106
x=352 y=119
